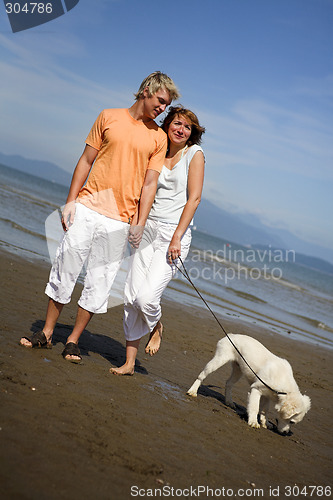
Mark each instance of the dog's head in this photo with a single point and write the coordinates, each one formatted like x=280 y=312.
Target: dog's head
x=291 y=409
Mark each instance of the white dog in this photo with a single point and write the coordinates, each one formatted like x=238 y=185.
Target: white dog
x=274 y=371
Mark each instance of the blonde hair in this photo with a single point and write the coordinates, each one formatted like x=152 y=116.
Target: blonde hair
x=154 y=82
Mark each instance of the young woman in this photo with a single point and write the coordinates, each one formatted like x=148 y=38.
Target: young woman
x=167 y=234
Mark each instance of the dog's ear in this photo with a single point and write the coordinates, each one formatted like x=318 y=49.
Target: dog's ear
x=306 y=402
x=292 y=404
x=287 y=406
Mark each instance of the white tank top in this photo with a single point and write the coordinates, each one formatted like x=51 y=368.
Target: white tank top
x=171 y=193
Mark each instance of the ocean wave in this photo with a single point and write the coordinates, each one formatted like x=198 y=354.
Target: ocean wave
x=34 y=200
x=225 y=308
x=22 y=251
x=184 y=287
x=18 y=227
x=316 y=323
x=246 y=296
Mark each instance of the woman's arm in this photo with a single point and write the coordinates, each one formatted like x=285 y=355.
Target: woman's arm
x=146 y=200
x=194 y=189
x=80 y=175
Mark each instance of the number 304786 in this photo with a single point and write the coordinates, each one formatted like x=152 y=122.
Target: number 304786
x=307 y=491
x=28 y=8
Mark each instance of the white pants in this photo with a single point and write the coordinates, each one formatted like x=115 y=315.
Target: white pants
x=97 y=241
x=148 y=277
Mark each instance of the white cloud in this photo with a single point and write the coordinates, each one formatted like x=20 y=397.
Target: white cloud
x=260 y=134
x=47 y=110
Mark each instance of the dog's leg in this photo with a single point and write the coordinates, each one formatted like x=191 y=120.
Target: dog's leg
x=264 y=407
x=253 y=407
x=236 y=374
x=216 y=362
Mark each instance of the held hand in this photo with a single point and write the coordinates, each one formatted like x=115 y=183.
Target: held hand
x=174 y=250
x=135 y=235
x=68 y=214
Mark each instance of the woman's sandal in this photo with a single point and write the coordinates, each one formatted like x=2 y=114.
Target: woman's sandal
x=72 y=349
x=38 y=340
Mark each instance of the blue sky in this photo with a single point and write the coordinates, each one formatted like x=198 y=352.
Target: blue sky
x=258 y=73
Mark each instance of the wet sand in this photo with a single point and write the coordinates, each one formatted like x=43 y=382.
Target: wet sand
x=77 y=432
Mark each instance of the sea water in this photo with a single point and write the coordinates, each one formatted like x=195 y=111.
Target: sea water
x=268 y=287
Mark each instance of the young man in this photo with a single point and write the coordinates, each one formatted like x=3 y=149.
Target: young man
x=120 y=164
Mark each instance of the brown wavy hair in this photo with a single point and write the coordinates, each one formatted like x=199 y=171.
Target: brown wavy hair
x=197 y=129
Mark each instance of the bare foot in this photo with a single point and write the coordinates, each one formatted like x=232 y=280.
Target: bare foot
x=155 y=339
x=123 y=370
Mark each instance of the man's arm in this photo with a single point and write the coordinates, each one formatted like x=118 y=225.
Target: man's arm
x=146 y=200
x=80 y=175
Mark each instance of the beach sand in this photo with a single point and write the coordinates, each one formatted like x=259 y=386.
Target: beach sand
x=76 y=431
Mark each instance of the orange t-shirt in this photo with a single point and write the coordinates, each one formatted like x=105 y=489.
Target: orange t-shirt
x=126 y=149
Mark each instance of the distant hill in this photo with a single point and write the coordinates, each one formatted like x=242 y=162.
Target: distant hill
x=44 y=169
x=217 y=221
x=306 y=260
x=289 y=239
x=245 y=229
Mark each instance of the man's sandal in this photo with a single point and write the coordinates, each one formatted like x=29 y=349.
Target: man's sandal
x=72 y=349
x=38 y=340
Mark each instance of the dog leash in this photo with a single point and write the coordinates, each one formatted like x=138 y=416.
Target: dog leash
x=186 y=275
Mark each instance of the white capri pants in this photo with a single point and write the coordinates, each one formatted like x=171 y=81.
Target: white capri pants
x=97 y=241
x=148 y=277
